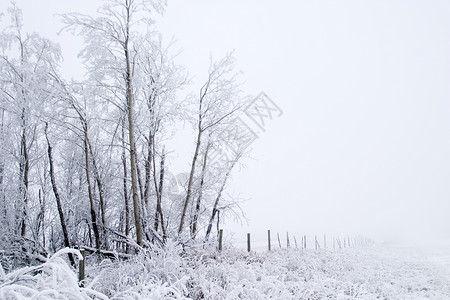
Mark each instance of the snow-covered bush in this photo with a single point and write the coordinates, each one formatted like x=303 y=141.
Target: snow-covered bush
x=197 y=273
x=154 y=273
x=53 y=279
x=17 y=251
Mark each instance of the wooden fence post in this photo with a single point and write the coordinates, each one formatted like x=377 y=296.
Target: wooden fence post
x=268 y=240
x=288 y=243
x=324 y=241
x=81 y=266
x=279 y=242
x=305 y=242
x=295 y=241
x=220 y=239
x=248 y=242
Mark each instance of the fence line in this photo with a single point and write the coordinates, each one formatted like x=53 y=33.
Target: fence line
x=338 y=242
x=346 y=242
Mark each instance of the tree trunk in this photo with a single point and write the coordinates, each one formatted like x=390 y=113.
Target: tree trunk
x=191 y=180
x=139 y=180
x=200 y=193
x=159 y=212
x=148 y=167
x=23 y=162
x=129 y=88
x=2 y=169
x=216 y=202
x=24 y=167
x=125 y=186
x=101 y=193
x=58 y=198
x=91 y=197
x=2 y=193
x=42 y=216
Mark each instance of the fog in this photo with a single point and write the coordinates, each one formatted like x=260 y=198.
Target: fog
x=363 y=142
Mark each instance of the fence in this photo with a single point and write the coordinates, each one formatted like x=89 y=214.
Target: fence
x=338 y=242
x=304 y=242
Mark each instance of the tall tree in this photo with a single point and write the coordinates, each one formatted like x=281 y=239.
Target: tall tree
x=26 y=60
x=160 y=80
x=110 y=52
x=219 y=101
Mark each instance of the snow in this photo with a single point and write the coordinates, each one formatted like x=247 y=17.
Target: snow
x=376 y=272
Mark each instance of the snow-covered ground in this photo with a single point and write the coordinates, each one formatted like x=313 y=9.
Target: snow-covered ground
x=384 y=271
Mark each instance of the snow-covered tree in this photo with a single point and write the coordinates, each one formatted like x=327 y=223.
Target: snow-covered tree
x=111 y=44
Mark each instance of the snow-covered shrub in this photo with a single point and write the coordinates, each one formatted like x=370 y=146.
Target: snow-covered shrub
x=53 y=279
x=197 y=273
x=154 y=273
x=17 y=251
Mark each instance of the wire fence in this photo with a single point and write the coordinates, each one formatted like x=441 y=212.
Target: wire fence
x=275 y=240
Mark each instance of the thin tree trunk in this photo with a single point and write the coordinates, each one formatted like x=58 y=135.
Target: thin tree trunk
x=148 y=168
x=42 y=202
x=139 y=180
x=143 y=207
x=200 y=130
x=159 y=216
x=216 y=202
x=136 y=208
x=24 y=166
x=2 y=191
x=2 y=169
x=58 y=198
x=200 y=193
x=91 y=197
x=191 y=180
x=23 y=162
x=125 y=186
x=101 y=193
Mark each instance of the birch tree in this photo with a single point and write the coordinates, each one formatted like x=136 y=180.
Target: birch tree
x=81 y=161
x=227 y=164
x=160 y=80
x=62 y=219
x=83 y=128
x=26 y=61
x=110 y=55
x=219 y=100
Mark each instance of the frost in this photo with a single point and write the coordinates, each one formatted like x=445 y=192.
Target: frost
x=174 y=273
x=53 y=279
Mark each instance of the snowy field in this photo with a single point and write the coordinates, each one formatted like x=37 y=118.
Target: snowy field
x=376 y=272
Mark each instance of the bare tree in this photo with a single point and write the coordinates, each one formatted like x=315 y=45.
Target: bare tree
x=160 y=79
x=25 y=62
x=215 y=210
x=110 y=131
x=110 y=45
x=81 y=114
x=219 y=100
x=57 y=196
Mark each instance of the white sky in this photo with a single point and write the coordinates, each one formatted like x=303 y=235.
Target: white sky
x=363 y=145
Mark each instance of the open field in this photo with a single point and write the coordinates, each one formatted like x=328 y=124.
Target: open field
x=378 y=272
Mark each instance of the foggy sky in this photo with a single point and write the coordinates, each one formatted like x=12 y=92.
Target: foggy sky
x=363 y=144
